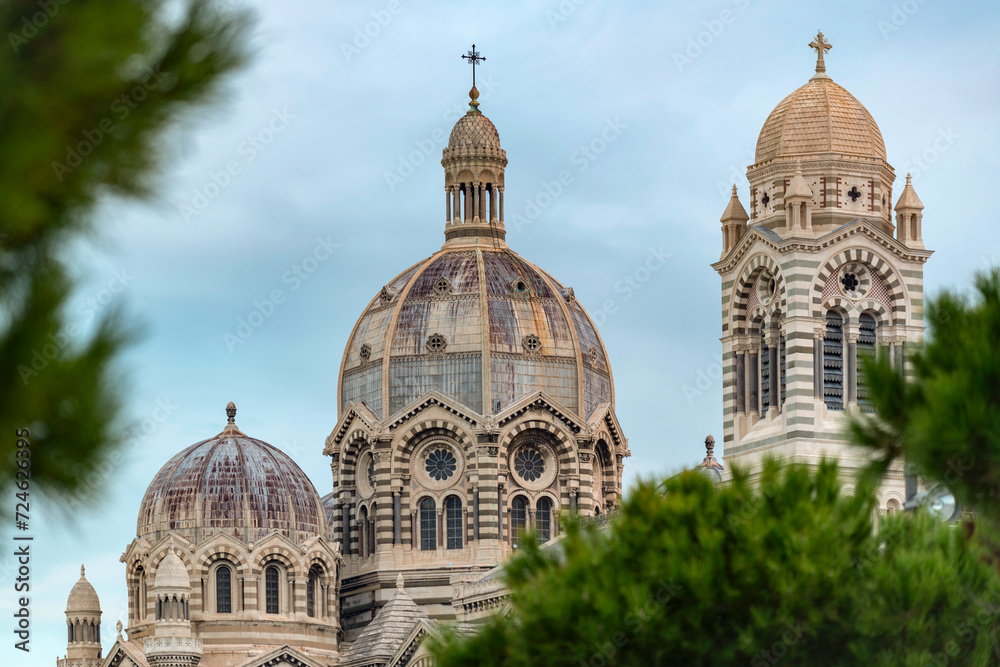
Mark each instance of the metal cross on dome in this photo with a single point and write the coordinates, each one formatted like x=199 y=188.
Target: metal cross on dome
x=820 y=46
x=473 y=57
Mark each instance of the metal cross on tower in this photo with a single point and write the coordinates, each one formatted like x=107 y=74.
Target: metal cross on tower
x=473 y=57
x=820 y=46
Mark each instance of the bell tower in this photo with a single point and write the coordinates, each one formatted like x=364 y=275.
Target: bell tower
x=816 y=278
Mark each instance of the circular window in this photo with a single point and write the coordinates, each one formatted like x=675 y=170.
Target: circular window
x=366 y=475
x=436 y=343
x=767 y=286
x=765 y=200
x=442 y=286
x=437 y=465
x=441 y=464
x=366 y=352
x=854 y=280
x=854 y=194
x=531 y=343
x=533 y=464
x=593 y=355
x=529 y=464
x=519 y=286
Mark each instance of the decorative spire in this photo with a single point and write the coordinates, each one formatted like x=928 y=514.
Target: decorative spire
x=820 y=46
x=399 y=581
x=734 y=210
x=83 y=572
x=908 y=199
x=231 y=412
x=798 y=187
x=473 y=57
x=119 y=627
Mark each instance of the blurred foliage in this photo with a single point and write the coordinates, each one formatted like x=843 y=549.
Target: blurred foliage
x=945 y=418
x=785 y=569
x=91 y=92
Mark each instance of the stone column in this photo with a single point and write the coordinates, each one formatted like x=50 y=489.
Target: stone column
x=501 y=204
x=475 y=202
x=774 y=377
x=741 y=371
x=414 y=529
x=475 y=513
x=467 y=204
x=851 y=365
x=447 y=205
x=456 y=205
x=493 y=203
x=397 y=517
x=439 y=511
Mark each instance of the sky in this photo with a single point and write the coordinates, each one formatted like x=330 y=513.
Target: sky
x=332 y=139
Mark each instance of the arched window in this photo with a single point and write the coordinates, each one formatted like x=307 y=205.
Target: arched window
x=140 y=594
x=453 y=522
x=866 y=350
x=428 y=525
x=543 y=519
x=363 y=532
x=223 y=590
x=271 y=578
x=312 y=590
x=833 y=361
x=518 y=520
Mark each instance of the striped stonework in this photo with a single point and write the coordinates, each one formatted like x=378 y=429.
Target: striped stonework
x=483 y=484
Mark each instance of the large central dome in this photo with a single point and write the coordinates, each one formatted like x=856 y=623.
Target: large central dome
x=480 y=325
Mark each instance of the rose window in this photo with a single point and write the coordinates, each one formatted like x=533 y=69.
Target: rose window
x=441 y=464
x=366 y=352
x=532 y=343
x=529 y=464
x=442 y=286
x=850 y=282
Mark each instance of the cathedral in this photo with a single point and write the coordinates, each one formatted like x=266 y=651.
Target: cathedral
x=476 y=402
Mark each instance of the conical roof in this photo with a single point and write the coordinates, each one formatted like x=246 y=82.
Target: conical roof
x=389 y=628
x=83 y=598
x=909 y=199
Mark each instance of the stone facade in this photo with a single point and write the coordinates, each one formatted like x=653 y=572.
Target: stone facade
x=814 y=278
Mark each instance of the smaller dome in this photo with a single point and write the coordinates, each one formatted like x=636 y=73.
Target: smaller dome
x=83 y=598
x=820 y=117
x=474 y=130
x=171 y=573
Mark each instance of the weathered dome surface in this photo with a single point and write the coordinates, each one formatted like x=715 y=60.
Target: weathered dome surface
x=474 y=130
x=329 y=506
x=820 y=117
x=171 y=573
x=491 y=315
x=231 y=484
x=83 y=598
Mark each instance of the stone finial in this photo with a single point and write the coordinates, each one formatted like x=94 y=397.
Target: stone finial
x=709 y=445
x=82 y=572
x=399 y=581
x=231 y=412
x=734 y=210
x=119 y=627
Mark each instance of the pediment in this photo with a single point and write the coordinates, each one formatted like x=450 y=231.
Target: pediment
x=284 y=656
x=604 y=415
x=356 y=415
x=541 y=401
x=431 y=399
